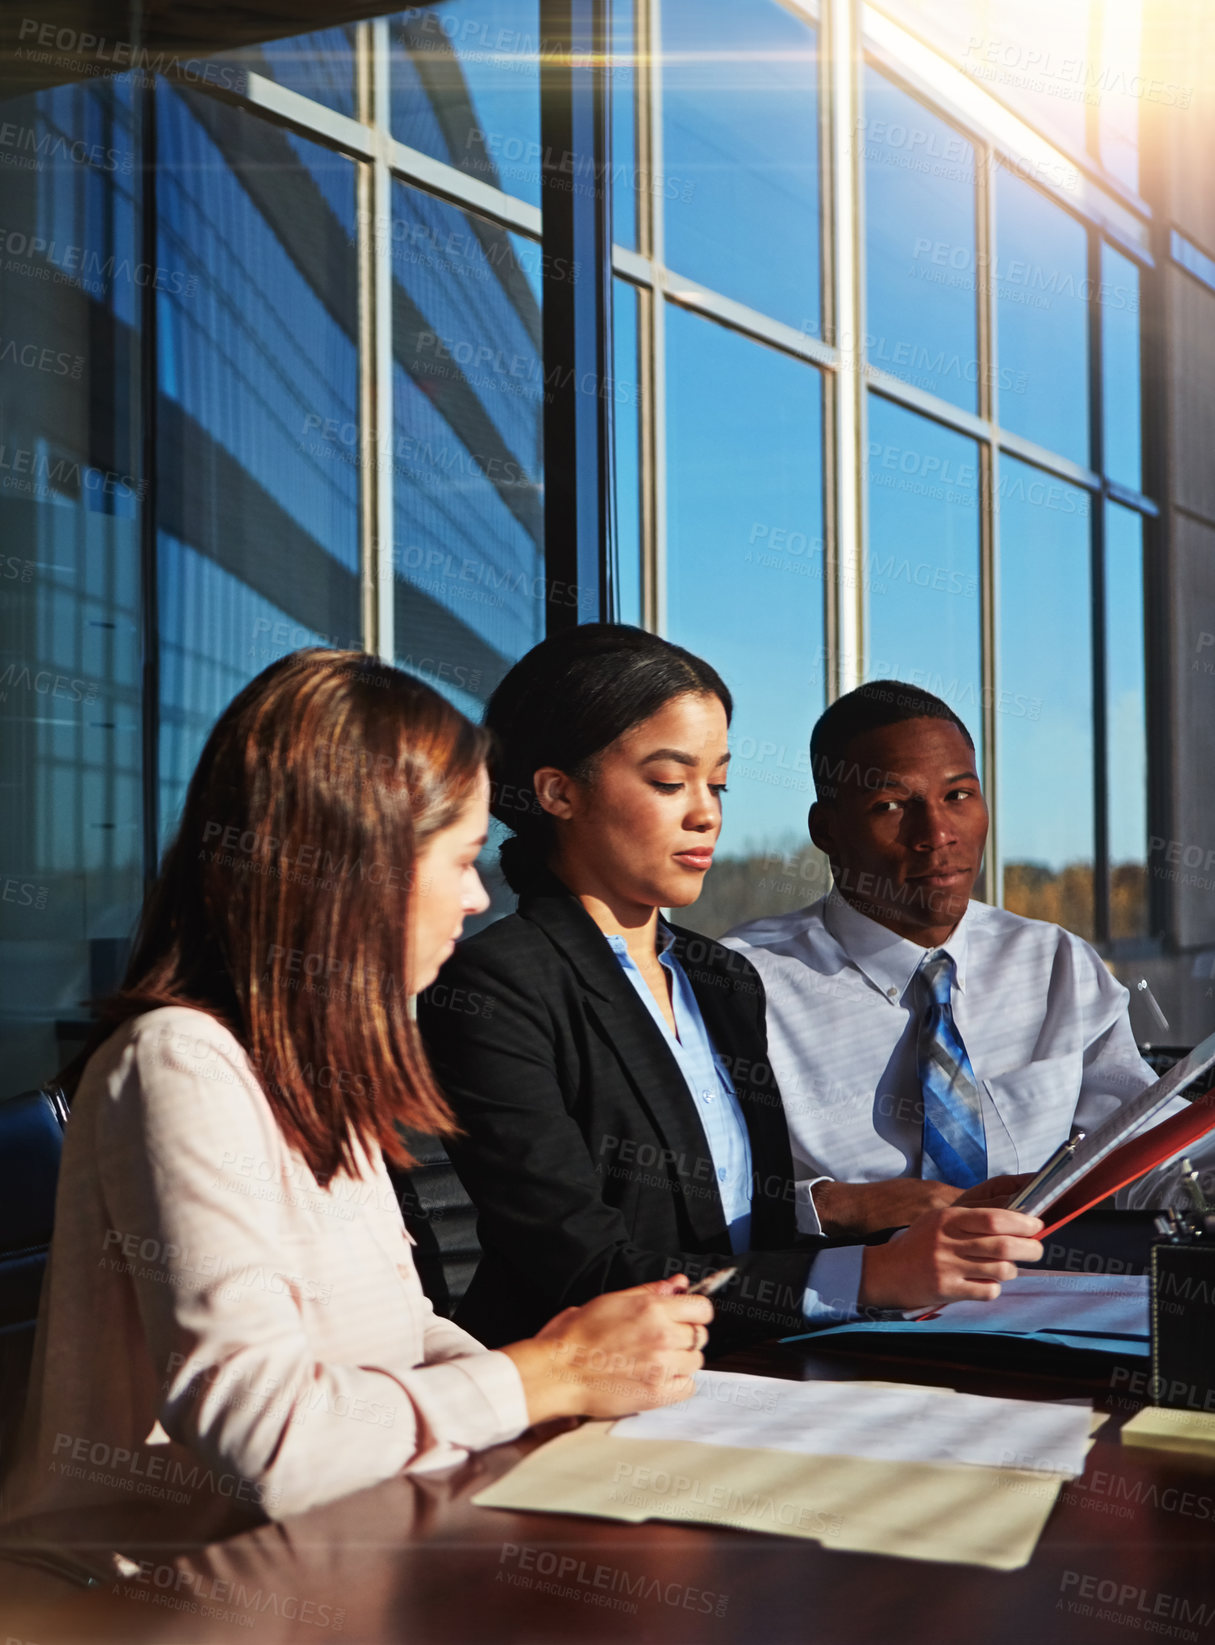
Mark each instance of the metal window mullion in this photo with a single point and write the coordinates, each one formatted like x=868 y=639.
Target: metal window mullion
x=841 y=28
x=1101 y=790
x=1129 y=497
x=685 y=293
x=644 y=299
x=632 y=265
x=644 y=92
x=989 y=523
x=1156 y=429
x=651 y=238
x=1050 y=462
x=375 y=349
x=828 y=333
x=656 y=616
x=576 y=233
x=927 y=405
x=1101 y=862
x=296 y=111
x=149 y=555
x=989 y=617
x=448 y=183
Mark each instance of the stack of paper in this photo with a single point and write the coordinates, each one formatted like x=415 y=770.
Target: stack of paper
x=889 y=1421
x=886 y=1468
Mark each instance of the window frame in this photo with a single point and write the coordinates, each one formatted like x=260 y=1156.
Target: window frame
x=852 y=35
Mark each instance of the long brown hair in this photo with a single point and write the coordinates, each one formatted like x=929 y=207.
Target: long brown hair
x=282 y=907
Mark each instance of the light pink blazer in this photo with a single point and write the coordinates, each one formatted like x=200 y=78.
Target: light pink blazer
x=215 y=1324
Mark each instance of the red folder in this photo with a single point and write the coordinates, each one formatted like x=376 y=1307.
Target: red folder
x=1133 y=1160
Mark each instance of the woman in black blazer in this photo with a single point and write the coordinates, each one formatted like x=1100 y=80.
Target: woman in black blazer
x=566 y=1038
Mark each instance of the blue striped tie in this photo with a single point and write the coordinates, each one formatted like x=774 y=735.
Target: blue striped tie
x=955 y=1144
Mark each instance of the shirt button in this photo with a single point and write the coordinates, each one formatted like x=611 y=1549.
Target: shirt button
x=892 y=993
x=721 y=1173
x=707 y=1095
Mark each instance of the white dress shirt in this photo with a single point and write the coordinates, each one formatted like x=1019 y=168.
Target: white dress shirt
x=1044 y=1023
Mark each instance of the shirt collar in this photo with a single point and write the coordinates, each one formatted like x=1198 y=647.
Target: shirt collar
x=619 y=945
x=888 y=960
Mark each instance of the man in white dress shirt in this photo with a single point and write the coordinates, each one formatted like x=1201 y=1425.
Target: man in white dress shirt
x=870 y=989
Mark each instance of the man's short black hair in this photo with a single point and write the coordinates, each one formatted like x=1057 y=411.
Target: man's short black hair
x=868 y=708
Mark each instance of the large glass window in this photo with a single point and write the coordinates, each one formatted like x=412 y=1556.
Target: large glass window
x=257 y=424
x=465 y=88
x=1042 y=318
x=70 y=581
x=1045 y=687
x=468 y=389
x=745 y=590
x=921 y=315
x=922 y=576
x=231 y=301
x=1126 y=722
x=740 y=154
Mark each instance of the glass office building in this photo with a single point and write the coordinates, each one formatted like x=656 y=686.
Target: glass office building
x=811 y=336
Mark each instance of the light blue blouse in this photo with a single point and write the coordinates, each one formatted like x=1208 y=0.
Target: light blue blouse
x=835 y=1275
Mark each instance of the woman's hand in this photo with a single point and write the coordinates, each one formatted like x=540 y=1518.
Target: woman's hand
x=964 y=1252
x=623 y=1352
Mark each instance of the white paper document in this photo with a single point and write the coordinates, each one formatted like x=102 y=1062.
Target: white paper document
x=1105 y=1305
x=884 y=1421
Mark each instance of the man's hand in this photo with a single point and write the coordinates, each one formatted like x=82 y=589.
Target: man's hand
x=948 y=1256
x=996 y=1191
x=852 y=1209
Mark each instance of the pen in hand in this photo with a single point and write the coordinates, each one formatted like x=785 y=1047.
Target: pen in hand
x=1054 y=1167
x=712 y=1283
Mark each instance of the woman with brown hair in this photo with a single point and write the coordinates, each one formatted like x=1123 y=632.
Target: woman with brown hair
x=231 y=1320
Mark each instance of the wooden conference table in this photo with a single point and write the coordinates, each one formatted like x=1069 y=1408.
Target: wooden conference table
x=1129 y=1551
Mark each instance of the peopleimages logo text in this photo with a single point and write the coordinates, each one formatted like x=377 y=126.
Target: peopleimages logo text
x=78 y=262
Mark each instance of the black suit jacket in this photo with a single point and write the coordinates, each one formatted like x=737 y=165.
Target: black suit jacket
x=581 y=1146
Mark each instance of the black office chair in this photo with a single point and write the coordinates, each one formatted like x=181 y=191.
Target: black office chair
x=443 y=1221
x=31 y=1142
